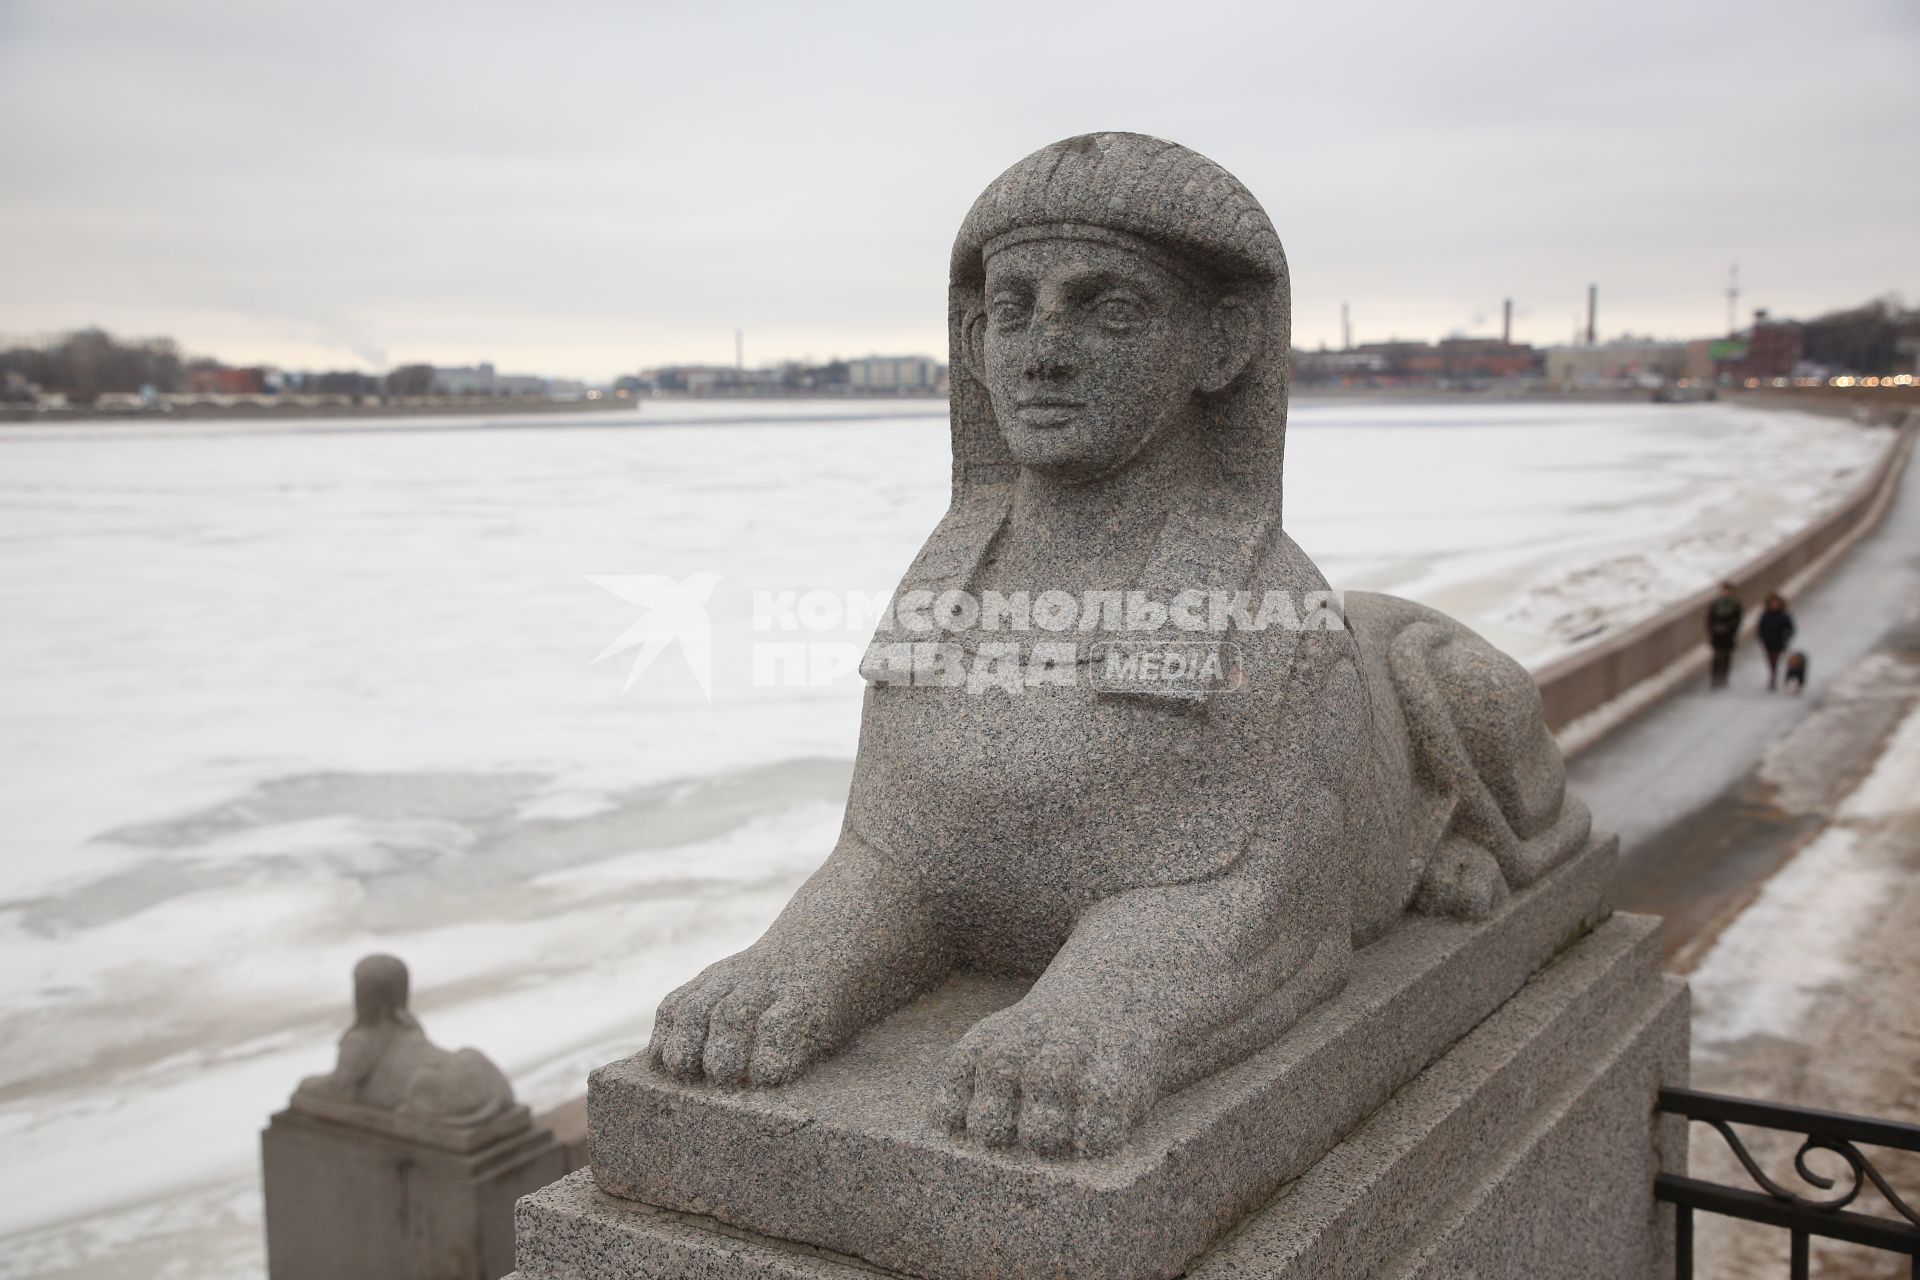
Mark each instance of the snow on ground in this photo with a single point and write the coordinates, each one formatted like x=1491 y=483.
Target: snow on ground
x=279 y=696
x=1811 y=996
x=1798 y=943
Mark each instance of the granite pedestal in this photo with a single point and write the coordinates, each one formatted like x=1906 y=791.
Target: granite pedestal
x=411 y=1203
x=1400 y=1124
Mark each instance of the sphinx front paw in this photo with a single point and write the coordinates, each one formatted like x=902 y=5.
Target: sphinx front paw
x=751 y=1019
x=1054 y=1084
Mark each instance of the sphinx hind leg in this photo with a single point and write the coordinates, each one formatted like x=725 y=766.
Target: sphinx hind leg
x=462 y=1088
x=1479 y=742
x=1461 y=879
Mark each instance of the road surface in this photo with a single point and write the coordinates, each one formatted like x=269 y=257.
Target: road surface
x=1692 y=785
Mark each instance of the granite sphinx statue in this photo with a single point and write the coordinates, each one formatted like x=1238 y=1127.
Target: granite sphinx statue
x=1182 y=867
x=388 y=1067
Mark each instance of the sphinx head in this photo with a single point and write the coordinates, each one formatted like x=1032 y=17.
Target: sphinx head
x=379 y=990
x=1109 y=292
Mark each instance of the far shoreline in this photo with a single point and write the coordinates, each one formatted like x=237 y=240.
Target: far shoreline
x=1859 y=403
x=437 y=407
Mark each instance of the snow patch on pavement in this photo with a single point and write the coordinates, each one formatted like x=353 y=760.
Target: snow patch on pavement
x=1796 y=942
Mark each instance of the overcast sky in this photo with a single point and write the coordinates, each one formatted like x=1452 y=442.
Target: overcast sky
x=586 y=189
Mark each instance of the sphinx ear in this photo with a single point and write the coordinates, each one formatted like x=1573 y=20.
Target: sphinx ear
x=1235 y=341
x=973 y=343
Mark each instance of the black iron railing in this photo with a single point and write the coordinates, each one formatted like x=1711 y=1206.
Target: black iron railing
x=1826 y=1214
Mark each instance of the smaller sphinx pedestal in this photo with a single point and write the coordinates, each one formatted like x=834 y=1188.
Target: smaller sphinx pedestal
x=404 y=1162
x=348 y=1200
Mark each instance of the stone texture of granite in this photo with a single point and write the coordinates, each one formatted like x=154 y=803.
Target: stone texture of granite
x=391 y=1079
x=1178 y=872
x=1528 y=1149
x=345 y=1201
x=848 y=1160
x=1573 y=1201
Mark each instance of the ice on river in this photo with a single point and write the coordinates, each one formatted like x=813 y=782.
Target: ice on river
x=277 y=696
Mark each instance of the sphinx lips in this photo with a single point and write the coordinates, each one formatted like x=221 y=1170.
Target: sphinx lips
x=1046 y=414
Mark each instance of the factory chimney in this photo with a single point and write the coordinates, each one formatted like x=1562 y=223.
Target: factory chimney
x=1506 y=322
x=1593 y=310
x=1346 y=329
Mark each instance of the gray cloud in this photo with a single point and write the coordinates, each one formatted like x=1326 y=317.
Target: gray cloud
x=586 y=188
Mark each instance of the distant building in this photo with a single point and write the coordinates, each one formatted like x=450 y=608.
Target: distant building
x=1397 y=363
x=714 y=380
x=465 y=380
x=1476 y=359
x=884 y=375
x=1406 y=360
x=483 y=380
x=896 y=373
x=1773 y=349
x=519 y=384
x=1702 y=361
x=1624 y=362
x=209 y=378
x=1768 y=350
x=1345 y=368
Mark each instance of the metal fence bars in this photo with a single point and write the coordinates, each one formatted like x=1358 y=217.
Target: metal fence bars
x=1825 y=1214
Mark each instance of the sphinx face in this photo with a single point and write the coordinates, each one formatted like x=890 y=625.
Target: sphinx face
x=1088 y=351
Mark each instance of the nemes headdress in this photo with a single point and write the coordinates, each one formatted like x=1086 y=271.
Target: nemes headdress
x=1167 y=203
x=1184 y=212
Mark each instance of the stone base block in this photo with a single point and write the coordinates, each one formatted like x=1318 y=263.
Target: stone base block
x=849 y=1159
x=344 y=1201
x=1528 y=1149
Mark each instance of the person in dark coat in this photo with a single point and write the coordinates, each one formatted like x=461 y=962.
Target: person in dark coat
x=1723 y=628
x=1776 y=632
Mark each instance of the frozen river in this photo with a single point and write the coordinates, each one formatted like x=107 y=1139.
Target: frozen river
x=277 y=696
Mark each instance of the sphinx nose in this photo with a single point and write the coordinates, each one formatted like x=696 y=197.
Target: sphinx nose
x=1050 y=357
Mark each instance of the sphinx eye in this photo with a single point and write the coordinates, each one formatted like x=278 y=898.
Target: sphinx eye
x=1008 y=309
x=1120 y=311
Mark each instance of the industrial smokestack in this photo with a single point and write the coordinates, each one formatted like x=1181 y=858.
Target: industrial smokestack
x=1346 y=329
x=1593 y=311
x=1506 y=322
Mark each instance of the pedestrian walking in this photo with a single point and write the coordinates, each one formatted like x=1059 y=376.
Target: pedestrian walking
x=1723 y=628
x=1775 y=628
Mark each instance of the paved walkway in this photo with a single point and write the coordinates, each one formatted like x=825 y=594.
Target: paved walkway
x=1681 y=783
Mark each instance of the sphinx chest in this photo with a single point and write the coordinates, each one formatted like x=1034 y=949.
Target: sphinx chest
x=1061 y=793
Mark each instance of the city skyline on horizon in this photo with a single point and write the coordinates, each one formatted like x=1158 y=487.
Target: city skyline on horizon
x=268 y=185
x=350 y=362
